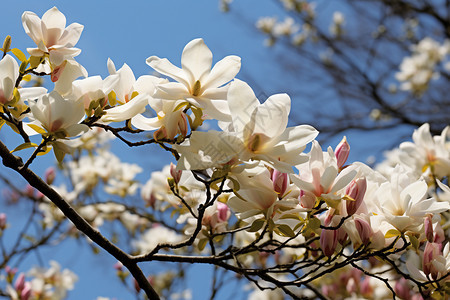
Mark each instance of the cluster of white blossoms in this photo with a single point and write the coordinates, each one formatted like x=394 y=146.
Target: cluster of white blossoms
x=247 y=177
x=417 y=70
x=52 y=283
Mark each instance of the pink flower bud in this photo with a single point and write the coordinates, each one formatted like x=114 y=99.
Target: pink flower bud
x=118 y=266
x=355 y=190
x=26 y=292
x=365 y=287
x=364 y=230
x=2 y=221
x=280 y=182
x=402 y=289
x=341 y=235
x=223 y=212
x=183 y=124
x=20 y=282
x=50 y=175
x=328 y=241
x=428 y=227
x=176 y=174
x=342 y=151
x=430 y=253
x=137 y=288
x=307 y=199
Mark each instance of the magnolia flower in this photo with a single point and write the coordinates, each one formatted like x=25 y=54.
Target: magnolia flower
x=51 y=113
x=320 y=176
x=196 y=82
x=52 y=36
x=133 y=95
x=256 y=132
x=92 y=89
x=9 y=72
x=427 y=153
x=403 y=203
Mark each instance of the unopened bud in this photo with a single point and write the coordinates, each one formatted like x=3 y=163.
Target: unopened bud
x=2 y=221
x=176 y=174
x=428 y=228
x=137 y=288
x=20 y=282
x=307 y=199
x=364 y=230
x=439 y=235
x=223 y=211
x=26 y=292
x=355 y=191
x=342 y=151
x=183 y=124
x=7 y=44
x=402 y=289
x=280 y=182
x=328 y=241
x=50 y=175
x=341 y=235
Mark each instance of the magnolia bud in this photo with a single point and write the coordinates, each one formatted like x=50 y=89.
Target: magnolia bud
x=430 y=253
x=50 y=175
x=355 y=190
x=364 y=230
x=2 y=221
x=137 y=288
x=223 y=211
x=176 y=174
x=428 y=228
x=342 y=151
x=7 y=44
x=341 y=235
x=183 y=124
x=402 y=289
x=20 y=282
x=307 y=199
x=280 y=182
x=328 y=241
x=160 y=134
x=26 y=292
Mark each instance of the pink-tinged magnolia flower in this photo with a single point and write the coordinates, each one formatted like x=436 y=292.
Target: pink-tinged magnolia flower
x=320 y=175
x=431 y=252
x=196 y=82
x=328 y=241
x=342 y=151
x=355 y=191
x=51 y=113
x=428 y=228
x=176 y=174
x=280 y=182
x=364 y=230
x=52 y=36
x=3 y=221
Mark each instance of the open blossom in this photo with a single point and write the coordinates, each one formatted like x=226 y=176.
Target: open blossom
x=9 y=72
x=320 y=176
x=427 y=153
x=51 y=112
x=256 y=132
x=196 y=82
x=52 y=36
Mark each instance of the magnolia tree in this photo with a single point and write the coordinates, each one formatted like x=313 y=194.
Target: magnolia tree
x=244 y=197
x=385 y=63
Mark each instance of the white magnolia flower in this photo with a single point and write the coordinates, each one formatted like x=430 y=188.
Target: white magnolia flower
x=427 y=154
x=51 y=112
x=154 y=236
x=9 y=72
x=196 y=82
x=403 y=203
x=132 y=94
x=52 y=36
x=256 y=132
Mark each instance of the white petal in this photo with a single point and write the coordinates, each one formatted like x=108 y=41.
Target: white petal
x=126 y=111
x=271 y=117
x=32 y=25
x=222 y=72
x=71 y=35
x=242 y=102
x=196 y=60
x=143 y=123
x=165 y=67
